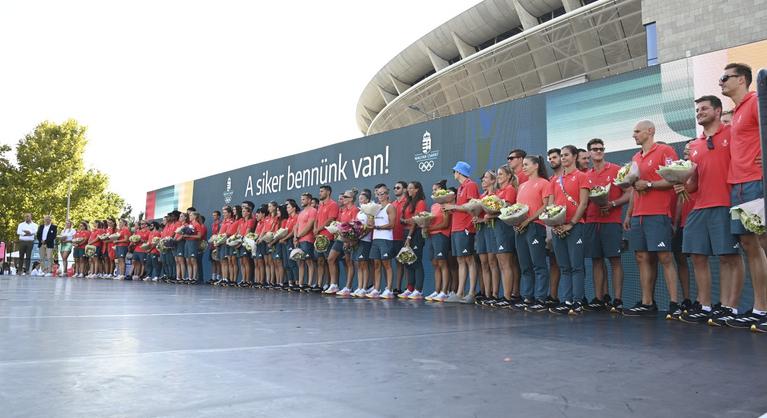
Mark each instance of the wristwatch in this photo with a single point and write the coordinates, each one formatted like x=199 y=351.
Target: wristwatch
x=612 y=203
x=649 y=185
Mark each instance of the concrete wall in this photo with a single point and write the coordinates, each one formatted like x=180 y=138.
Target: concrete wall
x=701 y=26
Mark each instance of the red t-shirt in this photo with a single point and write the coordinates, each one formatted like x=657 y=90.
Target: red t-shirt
x=82 y=234
x=198 y=230
x=508 y=194
x=233 y=227
x=214 y=227
x=348 y=214
x=532 y=194
x=604 y=177
x=144 y=234
x=653 y=201
x=420 y=206
x=521 y=176
x=746 y=145
x=461 y=221
x=290 y=223
x=305 y=217
x=124 y=235
x=109 y=245
x=399 y=229
x=246 y=225
x=439 y=217
x=326 y=211
x=203 y=232
x=152 y=235
x=713 y=166
x=573 y=183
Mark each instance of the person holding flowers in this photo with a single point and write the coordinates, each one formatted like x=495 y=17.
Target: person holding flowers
x=234 y=250
x=530 y=239
x=382 y=248
x=603 y=231
x=462 y=233
x=139 y=251
x=485 y=243
x=271 y=223
x=649 y=222
x=291 y=207
x=223 y=249
x=327 y=212
x=342 y=247
x=108 y=247
x=152 y=266
x=279 y=248
x=438 y=232
x=121 y=244
x=505 y=248
x=182 y=231
x=707 y=230
x=215 y=227
x=245 y=257
x=80 y=240
x=65 y=245
x=361 y=253
x=571 y=191
x=415 y=203
x=259 y=248
x=94 y=241
x=192 y=236
x=304 y=239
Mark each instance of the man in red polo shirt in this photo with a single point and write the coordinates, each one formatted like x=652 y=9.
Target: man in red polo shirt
x=303 y=238
x=649 y=220
x=515 y=159
x=327 y=212
x=603 y=230
x=462 y=232
x=707 y=230
x=399 y=202
x=745 y=176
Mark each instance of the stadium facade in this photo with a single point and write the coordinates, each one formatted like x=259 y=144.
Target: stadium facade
x=586 y=69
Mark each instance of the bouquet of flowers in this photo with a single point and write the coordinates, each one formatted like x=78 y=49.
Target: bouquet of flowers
x=203 y=245
x=114 y=236
x=473 y=206
x=423 y=220
x=185 y=230
x=492 y=204
x=78 y=240
x=370 y=209
x=234 y=241
x=751 y=214
x=515 y=214
x=627 y=175
x=90 y=250
x=161 y=246
x=321 y=243
x=280 y=234
x=155 y=240
x=103 y=237
x=168 y=242
x=407 y=256
x=333 y=227
x=677 y=172
x=297 y=255
x=267 y=237
x=351 y=232
x=598 y=195
x=135 y=239
x=146 y=246
x=249 y=241
x=443 y=196
x=553 y=215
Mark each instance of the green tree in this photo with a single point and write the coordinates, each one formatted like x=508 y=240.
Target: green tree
x=49 y=161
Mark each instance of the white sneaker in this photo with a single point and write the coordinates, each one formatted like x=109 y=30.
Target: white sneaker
x=345 y=292
x=332 y=289
x=404 y=295
x=370 y=289
x=373 y=294
x=416 y=295
x=154 y=279
x=146 y=279
x=387 y=294
x=432 y=296
x=118 y=278
x=359 y=293
x=441 y=297
x=48 y=275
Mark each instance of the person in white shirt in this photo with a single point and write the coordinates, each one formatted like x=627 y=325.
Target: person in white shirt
x=65 y=245
x=36 y=270
x=26 y=232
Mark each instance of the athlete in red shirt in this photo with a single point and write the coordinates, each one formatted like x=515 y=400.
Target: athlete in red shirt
x=347 y=213
x=462 y=233
x=745 y=176
x=327 y=212
x=515 y=160
x=398 y=233
x=649 y=220
x=304 y=239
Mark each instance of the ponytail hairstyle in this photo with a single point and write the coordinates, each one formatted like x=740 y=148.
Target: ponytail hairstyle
x=412 y=202
x=537 y=159
x=442 y=184
x=368 y=194
x=494 y=176
x=354 y=192
x=574 y=152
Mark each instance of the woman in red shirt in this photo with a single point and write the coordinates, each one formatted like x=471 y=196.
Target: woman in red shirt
x=505 y=250
x=439 y=241
x=245 y=257
x=108 y=249
x=95 y=261
x=291 y=207
x=271 y=221
x=153 y=257
x=259 y=250
x=139 y=254
x=415 y=203
x=179 y=252
x=223 y=249
x=81 y=263
x=278 y=253
x=121 y=248
x=192 y=247
x=231 y=255
x=531 y=234
x=347 y=213
x=485 y=244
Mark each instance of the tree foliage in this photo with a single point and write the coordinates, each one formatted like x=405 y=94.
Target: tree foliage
x=49 y=161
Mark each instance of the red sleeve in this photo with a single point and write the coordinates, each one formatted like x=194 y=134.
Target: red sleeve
x=583 y=181
x=333 y=213
x=669 y=152
x=473 y=191
x=420 y=207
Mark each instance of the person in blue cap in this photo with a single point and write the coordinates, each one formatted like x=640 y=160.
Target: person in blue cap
x=462 y=232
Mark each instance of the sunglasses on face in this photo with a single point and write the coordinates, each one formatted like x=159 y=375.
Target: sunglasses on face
x=724 y=78
x=512 y=157
x=597 y=149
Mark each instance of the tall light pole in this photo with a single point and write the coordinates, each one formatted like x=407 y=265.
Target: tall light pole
x=69 y=193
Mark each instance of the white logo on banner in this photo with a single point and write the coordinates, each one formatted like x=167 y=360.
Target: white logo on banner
x=228 y=193
x=427 y=158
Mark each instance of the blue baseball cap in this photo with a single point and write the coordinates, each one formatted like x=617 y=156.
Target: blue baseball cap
x=463 y=167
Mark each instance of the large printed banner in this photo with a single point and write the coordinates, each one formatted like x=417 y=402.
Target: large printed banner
x=606 y=108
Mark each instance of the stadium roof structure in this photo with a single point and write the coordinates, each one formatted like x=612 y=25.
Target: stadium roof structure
x=501 y=50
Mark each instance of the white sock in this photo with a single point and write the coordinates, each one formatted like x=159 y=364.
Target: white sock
x=706 y=308
x=758 y=312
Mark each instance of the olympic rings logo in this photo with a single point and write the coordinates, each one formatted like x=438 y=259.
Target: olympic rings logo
x=425 y=166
